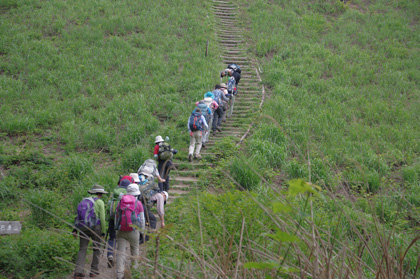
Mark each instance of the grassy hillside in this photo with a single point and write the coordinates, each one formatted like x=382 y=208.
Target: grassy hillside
x=86 y=86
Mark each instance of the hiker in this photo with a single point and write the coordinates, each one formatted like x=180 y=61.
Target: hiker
x=206 y=112
x=234 y=71
x=160 y=199
x=219 y=97
x=164 y=153
x=123 y=183
x=149 y=170
x=147 y=189
x=223 y=88
x=209 y=101
x=90 y=223
x=129 y=219
x=196 y=125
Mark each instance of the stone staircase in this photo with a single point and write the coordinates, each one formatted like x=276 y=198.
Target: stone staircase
x=231 y=42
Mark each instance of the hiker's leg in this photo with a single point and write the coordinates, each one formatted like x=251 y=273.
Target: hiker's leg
x=111 y=240
x=219 y=119
x=121 y=246
x=192 y=144
x=161 y=173
x=97 y=242
x=168 y=167
x=81 y=256
x=152 y=220
x=133 y=239
x=216 y=118
x=197 y=135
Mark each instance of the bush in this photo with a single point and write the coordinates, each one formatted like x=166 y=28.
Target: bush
x=42 y=203
x=37 y=251
x=245 y=172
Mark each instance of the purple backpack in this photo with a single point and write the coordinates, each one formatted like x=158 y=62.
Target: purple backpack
x=86 y=214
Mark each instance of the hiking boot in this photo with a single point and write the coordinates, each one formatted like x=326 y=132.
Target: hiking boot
x=110 y=261
x=218 y=129
x=203 y=145
x=79 y=276
x=92 y=275
x=190 y=158
x=197 y=156
x=214 y=133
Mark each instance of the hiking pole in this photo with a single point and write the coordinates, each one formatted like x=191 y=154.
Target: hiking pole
x=105 y=241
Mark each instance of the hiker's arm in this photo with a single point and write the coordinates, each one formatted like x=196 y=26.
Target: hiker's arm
x=160 y=208
x=162 y=221
x=205 y=122
x=100 y=210
x=160 y=179
x=142 y=220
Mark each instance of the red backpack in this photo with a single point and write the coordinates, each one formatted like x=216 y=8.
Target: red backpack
x=126 y=215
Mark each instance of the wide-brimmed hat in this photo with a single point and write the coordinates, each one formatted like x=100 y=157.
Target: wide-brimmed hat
x=133 y=189
x=96 y=189
x=135 y=176
x=209 y=94
x=223 y=85
x=158 y=139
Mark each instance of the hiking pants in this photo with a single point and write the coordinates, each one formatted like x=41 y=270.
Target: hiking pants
x=112 y=235
x=195 y=138
x=124 y=239
x=150 y=223
x=164 y=167
x=217 y=120
x=85 y=235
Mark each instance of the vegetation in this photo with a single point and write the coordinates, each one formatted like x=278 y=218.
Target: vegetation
x=331 y=169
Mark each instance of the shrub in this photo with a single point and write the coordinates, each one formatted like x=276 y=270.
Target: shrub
x=245 y=172
x=42 y=200
x=37 y=251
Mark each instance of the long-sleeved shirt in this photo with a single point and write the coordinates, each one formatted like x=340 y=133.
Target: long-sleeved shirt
x=202 y=119
x=159 y=203
x=99 y=208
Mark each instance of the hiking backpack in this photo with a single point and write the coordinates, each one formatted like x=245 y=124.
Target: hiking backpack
x=116 y=196
x=148 y=168
x=196 y=123
x=165 y=151
x=217 y=96
x=147 y=190
x=86 y=216
x=131 y=179
x=231 y=85
x=208 y=101
x=126 y=215
x=235 y=68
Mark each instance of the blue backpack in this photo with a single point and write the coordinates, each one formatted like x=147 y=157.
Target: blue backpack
x=217 y=97
x=86 y=216
x=231 y=85
x=196 y=124
x=235 y=68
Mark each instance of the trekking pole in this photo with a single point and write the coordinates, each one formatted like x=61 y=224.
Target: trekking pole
x=105 y=242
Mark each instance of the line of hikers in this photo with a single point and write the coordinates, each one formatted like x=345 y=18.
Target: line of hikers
x=129 y=213
x=212 y=110
x=130 y=203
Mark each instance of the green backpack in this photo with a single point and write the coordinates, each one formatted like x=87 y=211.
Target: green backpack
x=116 y=196
x=147 y=190
x=165 y=151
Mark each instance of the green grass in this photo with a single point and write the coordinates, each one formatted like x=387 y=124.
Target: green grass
x=86 y=87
